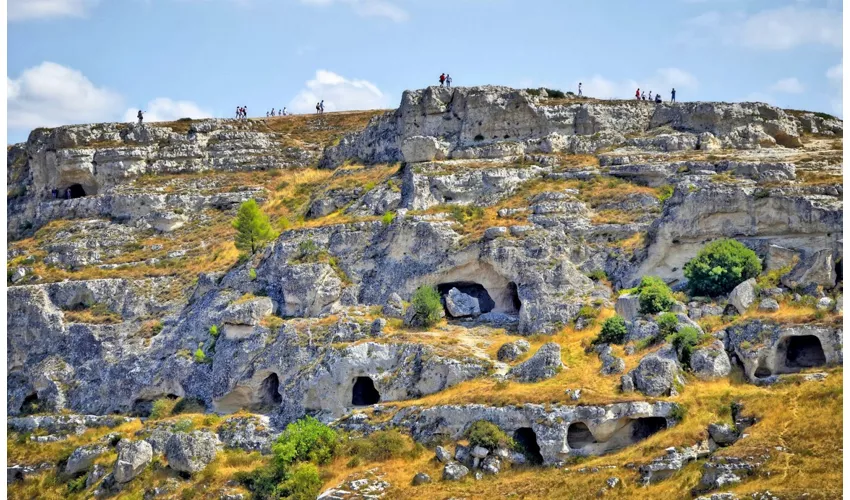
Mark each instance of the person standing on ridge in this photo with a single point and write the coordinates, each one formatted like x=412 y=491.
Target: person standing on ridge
x=643 y=96
x=140 y=116
x=448 y=81
x=657 y=98
x=649 y=96
x=673 y=95
x=637 y=94
x=579 y=89
x=442 y=79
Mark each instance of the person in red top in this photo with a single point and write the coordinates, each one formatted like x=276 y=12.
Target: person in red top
x=637 y=94
x=442 y=79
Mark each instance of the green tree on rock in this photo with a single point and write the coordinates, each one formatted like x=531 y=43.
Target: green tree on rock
x=253 y=229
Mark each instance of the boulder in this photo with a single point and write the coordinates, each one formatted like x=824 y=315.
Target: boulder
x=454 y=471
x=769 y=305
x=443 y=455
x=249 y=312
x=723 y=434
x=743 y=296
x=711 y=362
x=512 y=350
x=491 y=233
x=721 y=472
x=641 y=329
x=657 y=373
x=546 y=363
x=82 y=458
x=421 y=478
x=394 y=307
x=824 y=304
x=610 y=364
x=491 y=465
x=816 y=269
x=133 y=457
x=627 y=383
x=628 y=306
x=190 y=452
x=377 y=328
x=461 y=305
x=479 y=452
x=97 y=472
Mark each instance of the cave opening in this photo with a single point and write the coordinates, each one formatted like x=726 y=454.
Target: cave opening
x=143 y=407
x=364 y=393
x=514 y=293
x=270 y=391
x=644 y=427
x=476 y=290
x=76 y=191
x=31 y=405
x=579 y=436
x=526 y=441
x=762 y=371
x=804 y=351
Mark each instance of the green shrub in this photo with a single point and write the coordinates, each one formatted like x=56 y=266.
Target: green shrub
x=378 y=446
x=664 y=193
x=587 y=312
x=721 y=266
x=302 y=483
x=465 y=213
x=654 y=295
x=184 y=425
x=684 y=341
x=667 y=324
x=77 y=485
x=162 y=408
x=252 y=273
x=388 y=218
x=188 y=405
x=253 y=229
x=613 y=331
x=426 y=303
x=597 y=275
x=214 y=331
x=200 y=356
x=262 y=482
x=488 y=435
x=678 y=413
x=308 y=248
x=305 y=440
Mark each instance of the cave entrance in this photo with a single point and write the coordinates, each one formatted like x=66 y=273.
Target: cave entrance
x=644 y=427
x=31 y=405
x=77 y=191
x=270 y=391
x=579 y=436
x=364 y=393
x=485 y=302
x=143 y=407
x=526 y=440
x=514 y=295
x=804 y=351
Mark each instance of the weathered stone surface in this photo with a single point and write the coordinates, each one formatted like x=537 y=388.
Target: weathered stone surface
x=628 y=306
x=513 y=350
x=394 y=307
x=421 y=148
x=461 y=305
x=711 y=362
x=443 y=455
x=726 y=471
x=546 y=363
x=658 y=373
x=723 y=434
x=743 y=296
x=252 y=433
x=454 y=471
x=769 y=305
x=82 y=458
x=190 y=452
x=611 y=364
x=133 y=457
x=421 y=478
x=817 y=269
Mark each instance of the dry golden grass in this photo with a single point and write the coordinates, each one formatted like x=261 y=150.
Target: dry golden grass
x=312 y=129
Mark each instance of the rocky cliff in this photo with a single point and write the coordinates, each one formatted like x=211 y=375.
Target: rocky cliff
x=529 y=215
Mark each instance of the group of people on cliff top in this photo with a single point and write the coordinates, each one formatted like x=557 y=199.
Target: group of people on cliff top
x=641 y=96
x=320 y=107
x=280 y=112
x=446 y=80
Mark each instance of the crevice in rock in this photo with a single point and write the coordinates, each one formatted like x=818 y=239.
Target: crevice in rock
x=270 y=391
x=364 y=393
x=526 y=440
x=644 y=427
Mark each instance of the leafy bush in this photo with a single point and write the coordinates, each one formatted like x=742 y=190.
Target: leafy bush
x=721 y=266
x=388 y=218
x=252 y=273
x=200 y=356
x=465 y=213
x=597 y=275
x=678 y=413
x=262 y=482
x=426 y=303
x=488 y=435
x=654 y=295
x=253 y=229
x=378 y=446
x=214 y=331
x=685 y=340
x=77 y=485
x=306 y=440
x=587 y=313
x=664 y=193
x=303 y=483
x=667 y=324
x=613 y=331
x=162 y=408
x=184 y=425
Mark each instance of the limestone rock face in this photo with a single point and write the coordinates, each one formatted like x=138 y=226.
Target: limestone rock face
x=420 y=148
x=546 y=363
x=743 y=296
x=190 y=452
x=628 y=306
x=657 y=373
x=454 y=471
x=82 y=458
x=711 y=362
x=133 y=457
x=460 y=304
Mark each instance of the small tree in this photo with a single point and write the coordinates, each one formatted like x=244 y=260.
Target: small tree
x=684 y=341
x=253 y=229
x=613 y=331
x=426 y=303
x=721 y=266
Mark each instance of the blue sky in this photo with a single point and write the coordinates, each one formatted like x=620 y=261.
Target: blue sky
x=81 y=61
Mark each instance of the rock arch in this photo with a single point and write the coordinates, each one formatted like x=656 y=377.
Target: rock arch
x=363 y=392
x=481 y=280
x=804 y=351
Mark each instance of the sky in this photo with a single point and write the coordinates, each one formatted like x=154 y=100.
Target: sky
x=84 y=61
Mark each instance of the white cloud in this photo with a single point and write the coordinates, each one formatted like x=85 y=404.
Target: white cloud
x=663 y=80
x=835 y=75
x=163 y=109
x=339 y=94
x=772 y=29
x=367 y=8
x=51 y=94
x=788 y=86
x=20 y=10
